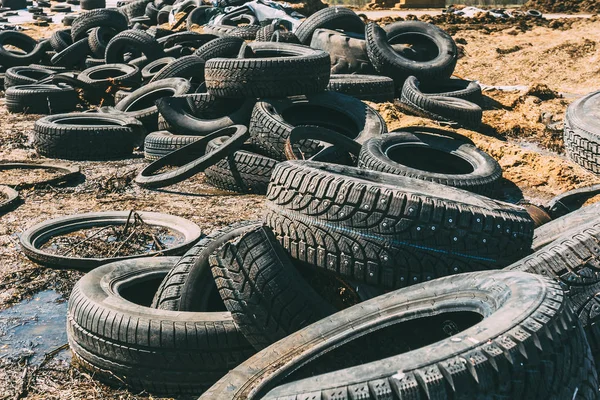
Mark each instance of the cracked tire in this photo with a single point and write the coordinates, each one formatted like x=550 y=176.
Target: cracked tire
x=473 y=336
x=388 y=230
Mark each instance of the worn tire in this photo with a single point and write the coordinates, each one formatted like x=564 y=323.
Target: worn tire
x=329 y=18
x=73 y=56
x=105 y=76
x=269 y=129
x=25 y=75
x=582 y=135
x=141 y=41
x=266 y=295
x=244 y=171
x=189 y=67
x=223 y=47
x=279 y=69
x=458 y=351
x=377 y=89
x=159 y=144
x=72 y=137
x=433 y=158
x=31 y=51
x=110 y=18
x=9 y=199
x=61 y=39
x=347 y=51
x=41 y=99
x=146 y=349
x=153 y=67
x=388 y=230
x=454 y=87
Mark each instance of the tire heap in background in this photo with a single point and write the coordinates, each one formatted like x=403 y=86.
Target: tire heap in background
x=405 y=220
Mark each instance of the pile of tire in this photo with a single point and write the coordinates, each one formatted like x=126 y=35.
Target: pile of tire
x=405 y=220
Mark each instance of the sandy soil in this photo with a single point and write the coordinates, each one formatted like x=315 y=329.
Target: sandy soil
x=521 y=130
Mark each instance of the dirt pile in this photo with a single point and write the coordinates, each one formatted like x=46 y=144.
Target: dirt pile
x=561 y=6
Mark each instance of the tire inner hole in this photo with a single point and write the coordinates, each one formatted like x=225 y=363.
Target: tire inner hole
x=307 y=114
x=107 y=73
x=415 y=46
x=149 y=99
x=425 y=158
x=389 y=341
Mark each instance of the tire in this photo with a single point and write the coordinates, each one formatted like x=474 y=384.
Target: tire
x=203 y=113
x=15 y=4
x=25 y=75
x=186 y=39
x=98 y=39
x=60 y=40
x=189 y=285
x=138 y=40
x=457 y=88
x=217 y=30
x=198 y=16
x=266 y=295
x=34 y=237
x=387 y=230
x=189 y=67
x=141 y=103
x=377 y=89
x=81 y=136
x=134 y=9
x=163 y=15
x=329 y=18
x=551 y=231
x=438 y=66
x=347 y=52
x=94 y=62
x=74 y=55
x=152 y=350
x=278 y=70
x=242 y=172
x=9 y=199
x=68 y=19
x=107 y=76
x=440 y=108
x=264 y=33
x=151 y=12
x=572 y=261
x=92 y=4
x=109 y=18
x=582 y=135
x=31 y=50
x=62 y=173
x=433 y=158
x=223 y=47
x=339 y=144
x=60 y=8
x=273 y=119
x=41 y=99
x=192 y=158
x=247 y=32
x=153 y=67
x=159 y=144
x=456 y=343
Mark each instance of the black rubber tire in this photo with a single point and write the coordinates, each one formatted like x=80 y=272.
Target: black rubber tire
x=34 y=237
x=294 y=70
x=285 y=37
x=266 y=295
x=390 y=63
x=141 y=103
x=242 y=172
x=15 y=4
x=146 y=349
x=68 y=19
x=107 y=76
x=99 y=38
x=198 y=16
x=269 y=129
x=192 y=159
x=189 y=67
x=60 y=8
x=347 y=52
x=551 y=231
x=110 y=18
x=151 y=12
x=217 y=30
x=440 y=108
x=264 y=33
x=223 y=47
x=534 y=13
x=62 y=173
x=41 y=99
x=153 y=67
x=94 y=62
x=60 y=40
x=247 y=32
x=202 y=113
x=9 y=199
x=506 y=354
x=31 y=51
x=377 y=89
x=189 y=284
x=25 y=75
x=387 y=230
x=74 y=55
x=333 y=142
x=449 y=162
x=92 y=4
x=454 y=87
x=572 y=260
x=159 y=144
x=139 y=40
x=71 y=137
x=134 y=9
x=186 y=39
x=582 y=135
x=329 y=18
x=163 y=15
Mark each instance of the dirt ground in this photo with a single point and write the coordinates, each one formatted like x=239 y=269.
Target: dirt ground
x=522 y=130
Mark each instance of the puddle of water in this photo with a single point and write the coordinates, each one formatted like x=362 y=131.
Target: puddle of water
x=33 y=328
